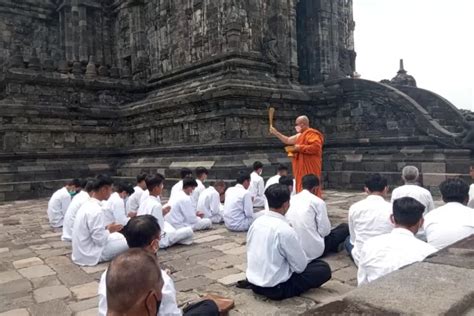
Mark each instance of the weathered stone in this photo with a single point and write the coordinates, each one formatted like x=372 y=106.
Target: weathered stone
x=16 y=312
x=25 y=263
x=208 y=239
x=51 y=293
x=89 y=312
x=36 y=271
x=236 y=251
x=8 y=276
x=232 y=279
x=192 y=283
x=84 y=305
x=55 y=307
x=17 y=286
x=84 y=291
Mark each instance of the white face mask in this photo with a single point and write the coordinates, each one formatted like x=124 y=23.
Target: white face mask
x=298 y=128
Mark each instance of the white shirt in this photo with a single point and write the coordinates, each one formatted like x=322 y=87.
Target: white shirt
x=237 y=205
x=182 y=212
x=144 y=197
x=368 y=218
x=309 y=218
x=414 y=191
x=385 y=253
x=57 y=207
x=448 y=223
x=178 y=187
x=90 y=236
x=196 y=193
x=168 y=306
x=209 y=202
x=133 y=202
x=471 y=196
x=71 y=213
x=114 y=210
x=273 y=251
x=257 y=189
x=272 y=180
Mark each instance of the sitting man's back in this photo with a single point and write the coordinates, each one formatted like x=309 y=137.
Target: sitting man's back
x=238 y=206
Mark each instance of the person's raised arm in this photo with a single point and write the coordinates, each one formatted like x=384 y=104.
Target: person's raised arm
x=287 y=140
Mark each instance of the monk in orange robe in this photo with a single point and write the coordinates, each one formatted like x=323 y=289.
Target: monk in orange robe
x=307 y=151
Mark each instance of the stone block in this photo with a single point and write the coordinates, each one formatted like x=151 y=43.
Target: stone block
x=3 y=250
x=433 y=167
x=14 y=287
x=320 y=295
x=208 y=239
x=346 y=274
x=431 y=179
x=51 y=293
x=236 y=251
x=51 y=235
x=84 y=304
x=36 y=272
x=84 y=291
x=89 y=312
x=227 y=261
x=219 y=274
x=29 y=262
x=98 y=268
x=16 y=312
x=45 y=281
x=232 y=279
x=56 y=308
x=9 y=276
x=226 y=246
x=192 y=283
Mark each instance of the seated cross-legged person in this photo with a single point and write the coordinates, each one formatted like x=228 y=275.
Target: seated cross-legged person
x=114 y=208
x=59 y=202
x=71 y=212
x=289 y=181
x=277 y=266
x=308 y=216
x=453 y=221
x=257 y=185
x=201 y=176
x=133 y=202
x=178 y=186
x=92 y=240
x=238 y=206
x=210 y=202
x=152 y=205
x=183 y=213
x=144 y=232
x=385 y=253
x=369 y=217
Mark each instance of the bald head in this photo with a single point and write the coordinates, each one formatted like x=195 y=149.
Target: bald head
x=302 y=123
x=131 y=278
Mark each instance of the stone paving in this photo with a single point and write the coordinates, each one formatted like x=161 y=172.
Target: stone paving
x=37 y=276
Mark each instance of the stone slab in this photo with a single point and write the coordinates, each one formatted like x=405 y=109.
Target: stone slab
x=84 y=304
x=28 y=262
x=36 y=272
x=208 y=239
x=84 y=291
x=56 y=308
x=51 y=293
x=232 y=278
x=16 y=312
x=236 y=251
x=89 y=312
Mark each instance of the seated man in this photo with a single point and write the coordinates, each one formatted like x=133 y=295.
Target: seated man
x=238 y=206
x=133 y=202
x=471 y=188
x=453 y=221
x=59 y=202
x=277 y=266
x=92 y=240
x=178 y=186
x=412 y=189
x=309 y=218
x=288 y=181
x=201 y=176
x=114 y=208
x=369 y=217
x=257 y=185
x=210 y=203
x=79 y=199
x=183 y=213
x=144 y=232
x=152 y=205
x=385 y=253
x=282 y=170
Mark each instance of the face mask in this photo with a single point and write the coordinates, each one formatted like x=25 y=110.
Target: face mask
x=72 y=193
x=298 y=128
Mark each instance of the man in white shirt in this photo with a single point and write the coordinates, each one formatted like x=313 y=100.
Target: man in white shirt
x=369 y=217
x=76 y=203
x=277 y=266
x=257 y=185
x=385 y=253
x=133 y=202
x=282 y=170
x=92 y=240
x=238 y=207
x=411 y=188
x=114 y=208
x=471 y=188
x=201 y=176
x=144 y=232
x=183 y=213
x=453 y=221
x=59 y=202
x=178 y=186
x=152 y=206
x=209 y=202
x=309 y=218
x=289 y=182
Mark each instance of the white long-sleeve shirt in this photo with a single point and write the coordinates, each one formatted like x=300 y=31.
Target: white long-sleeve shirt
x=71 y=213
x=274 y=252
x=385 y=253
x=182 y=212
x=257 y=189
x=368 y=218
x=168 y=306
x=414 y=191
x=133 y=202
x=471 y=196
x=196 y=193
x=114 y=210
x=90 y=236
x=309 y=218
x=272 y=180
x=152 y=206
x=237 y=206
x=177 y=187
x=57 y=207
x=209 y=203
x=448 y=223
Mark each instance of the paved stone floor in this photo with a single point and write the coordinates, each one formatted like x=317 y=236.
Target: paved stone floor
x=37 y=276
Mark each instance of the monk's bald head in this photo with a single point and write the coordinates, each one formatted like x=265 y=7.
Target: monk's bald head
x=130 y=279
x=303 y=122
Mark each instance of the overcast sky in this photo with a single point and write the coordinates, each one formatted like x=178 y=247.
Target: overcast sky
x=435 y=38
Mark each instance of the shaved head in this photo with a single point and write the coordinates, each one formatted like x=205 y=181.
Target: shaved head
x=302 y=119
x=130 y=279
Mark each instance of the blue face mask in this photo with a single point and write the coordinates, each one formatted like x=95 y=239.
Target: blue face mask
x=72 y=193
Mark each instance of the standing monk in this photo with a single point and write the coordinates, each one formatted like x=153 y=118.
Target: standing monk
x=307 y=151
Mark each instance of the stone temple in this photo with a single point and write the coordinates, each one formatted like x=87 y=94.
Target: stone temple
x=122 y=86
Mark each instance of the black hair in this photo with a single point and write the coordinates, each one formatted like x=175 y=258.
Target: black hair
x=282 y=167
x=375 y=183
x=257 y=165
x=153 y=181
x=189 y=182
x=89 y=185
x=277 y=194
x=124 y=186
x=101 y=181
x=75 y=182
x=454 y=190
x=82 y=183
x=310 y=181
x=407 y=211
x=242 y=177
x=286 y=180
x=141 y=177
x=185 y=172
x=141 y=230
x=200 y=171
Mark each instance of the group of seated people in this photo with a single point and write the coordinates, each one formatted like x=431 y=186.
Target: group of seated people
x=288 y=232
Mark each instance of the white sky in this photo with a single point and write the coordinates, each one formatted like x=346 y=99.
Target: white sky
x=435 y=38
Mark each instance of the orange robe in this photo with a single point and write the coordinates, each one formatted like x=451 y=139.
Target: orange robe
x=309 y=158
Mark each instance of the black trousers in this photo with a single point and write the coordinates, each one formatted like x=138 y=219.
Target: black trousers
x=336 y=237
x=316 y=274
x=202 y=308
